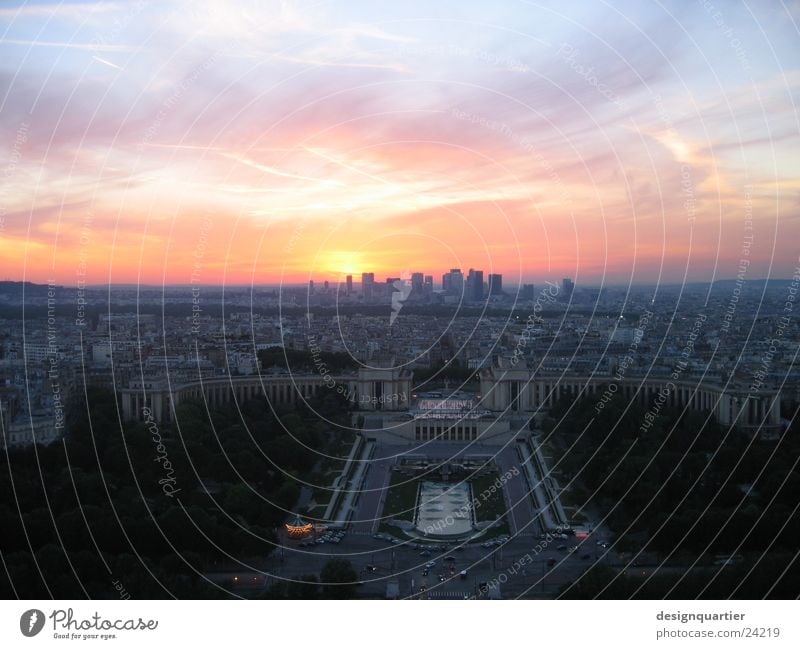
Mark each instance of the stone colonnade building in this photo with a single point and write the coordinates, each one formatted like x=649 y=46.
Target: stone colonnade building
x=370 y=389
x=513 y=392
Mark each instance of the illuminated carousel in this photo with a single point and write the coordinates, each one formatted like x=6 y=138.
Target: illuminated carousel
x=299 y=529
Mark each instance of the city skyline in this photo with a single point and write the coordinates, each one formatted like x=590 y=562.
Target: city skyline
x=341 y=281
x=532 y=147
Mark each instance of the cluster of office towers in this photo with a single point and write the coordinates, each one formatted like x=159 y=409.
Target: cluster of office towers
x=454 y=282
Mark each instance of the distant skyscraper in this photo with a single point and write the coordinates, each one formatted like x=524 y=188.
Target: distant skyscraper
x=311 y=287
x=368 y=285
x=428 y=284
x=528 y=292
x=349 y=285
x=567 y=286
x=417 y=280
x=475 y=285
x=456 y=281
x=495 y=284
x=327 y=285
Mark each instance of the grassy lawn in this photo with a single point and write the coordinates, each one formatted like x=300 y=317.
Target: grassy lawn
x=572 y=497
x=329 y=468
x=553 y=453
x=402 y=498
x=488 y=505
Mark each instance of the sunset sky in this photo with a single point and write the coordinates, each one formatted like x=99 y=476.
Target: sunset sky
x=286 y=141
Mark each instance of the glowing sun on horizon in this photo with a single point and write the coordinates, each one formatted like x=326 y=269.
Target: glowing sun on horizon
x=344 y=262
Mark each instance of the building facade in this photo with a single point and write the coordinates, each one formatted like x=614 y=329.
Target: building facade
x=504 y=394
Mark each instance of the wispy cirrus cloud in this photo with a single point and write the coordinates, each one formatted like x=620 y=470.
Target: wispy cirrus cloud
x=67 y=45
x=579 y=123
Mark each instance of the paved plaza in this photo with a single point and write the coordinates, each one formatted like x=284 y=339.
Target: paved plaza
x=524 y=566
